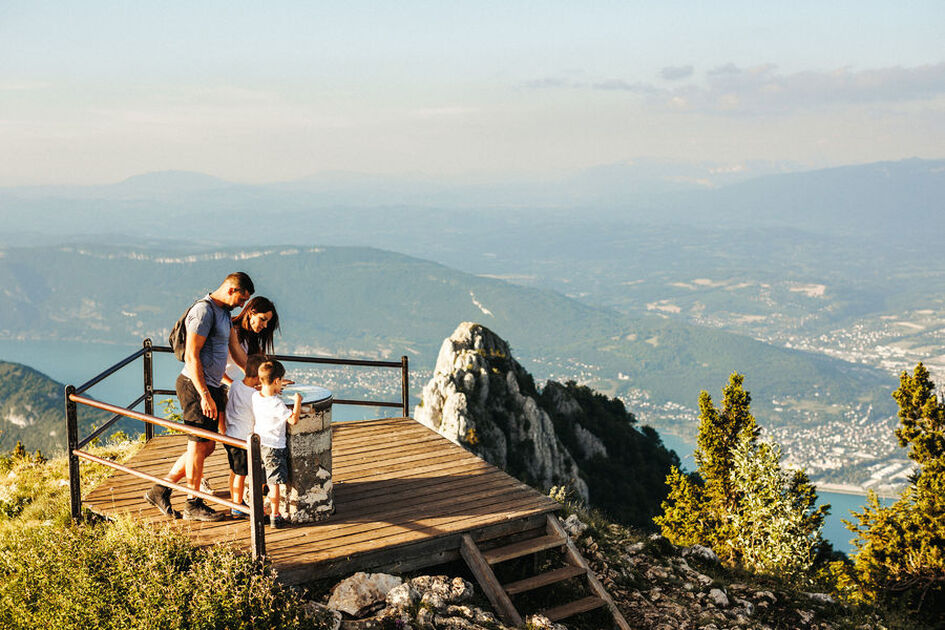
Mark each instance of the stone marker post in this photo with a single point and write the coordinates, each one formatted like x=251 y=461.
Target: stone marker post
x=309 y=496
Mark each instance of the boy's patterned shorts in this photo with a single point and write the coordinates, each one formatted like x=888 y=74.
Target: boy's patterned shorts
x=276 y=463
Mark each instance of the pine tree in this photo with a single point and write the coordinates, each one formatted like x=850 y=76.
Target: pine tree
x=775 y=524
x=901 y=548
x=741 y=503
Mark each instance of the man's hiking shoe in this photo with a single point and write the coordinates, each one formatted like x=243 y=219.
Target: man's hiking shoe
x=277 y=522
x=160 y=497
x=197 y=510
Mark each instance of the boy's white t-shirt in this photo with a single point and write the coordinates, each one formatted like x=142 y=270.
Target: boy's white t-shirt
x=239 y=410
x=271 y=414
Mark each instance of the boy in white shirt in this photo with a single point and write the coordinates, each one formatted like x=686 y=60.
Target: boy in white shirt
x=239 y=424
x=271 y=416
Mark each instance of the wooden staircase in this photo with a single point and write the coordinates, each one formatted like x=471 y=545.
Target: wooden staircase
x=575 y=566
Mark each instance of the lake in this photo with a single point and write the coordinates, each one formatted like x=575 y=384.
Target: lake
x=74 y=362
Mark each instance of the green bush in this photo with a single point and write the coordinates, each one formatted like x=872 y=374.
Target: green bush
x=124 y=576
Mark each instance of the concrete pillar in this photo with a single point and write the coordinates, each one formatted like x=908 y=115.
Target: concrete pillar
x=309 y=495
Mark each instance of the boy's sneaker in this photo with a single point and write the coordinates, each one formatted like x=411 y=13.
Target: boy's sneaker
x=277 y=522
x=160 y=497
x=197 y=510
x=238 y=514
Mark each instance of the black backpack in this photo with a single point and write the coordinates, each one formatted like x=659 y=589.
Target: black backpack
x=178 y=337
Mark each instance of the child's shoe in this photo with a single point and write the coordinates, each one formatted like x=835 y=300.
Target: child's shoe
x=237 y=515
x=277 y=522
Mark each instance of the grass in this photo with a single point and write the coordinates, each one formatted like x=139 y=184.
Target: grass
x=119 y=575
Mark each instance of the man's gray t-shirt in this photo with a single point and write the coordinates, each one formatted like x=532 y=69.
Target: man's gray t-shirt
x=213 y=322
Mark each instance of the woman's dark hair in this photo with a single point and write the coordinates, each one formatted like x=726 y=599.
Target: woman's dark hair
x=257 y=343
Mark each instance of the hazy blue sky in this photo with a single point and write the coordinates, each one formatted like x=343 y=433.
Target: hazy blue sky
x=97 y=91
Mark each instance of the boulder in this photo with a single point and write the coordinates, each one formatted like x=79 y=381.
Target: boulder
x=718 y=597
x=362 y=592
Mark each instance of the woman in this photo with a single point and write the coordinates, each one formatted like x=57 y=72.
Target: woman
x=252 y=333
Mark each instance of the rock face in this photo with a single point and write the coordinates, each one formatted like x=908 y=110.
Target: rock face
x=482 y=399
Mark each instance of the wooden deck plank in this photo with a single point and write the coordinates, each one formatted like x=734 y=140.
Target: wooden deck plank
x=399 y=488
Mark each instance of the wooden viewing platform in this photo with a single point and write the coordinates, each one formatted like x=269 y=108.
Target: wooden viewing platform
x=404 y=497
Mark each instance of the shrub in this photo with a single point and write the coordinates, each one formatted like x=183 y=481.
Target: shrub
x=124 y=576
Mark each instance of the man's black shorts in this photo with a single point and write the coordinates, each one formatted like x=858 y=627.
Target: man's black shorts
x=237 y=458
x=190 y=406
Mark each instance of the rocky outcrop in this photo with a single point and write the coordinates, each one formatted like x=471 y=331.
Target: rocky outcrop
x=567 y=435
x=481 y=398
x=654 y=584
x=427 y=602
x=658 y=585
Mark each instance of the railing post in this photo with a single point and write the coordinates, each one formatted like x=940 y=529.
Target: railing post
x=148 y=388
x=257 y=516
x=405 y=385
x=72 y=443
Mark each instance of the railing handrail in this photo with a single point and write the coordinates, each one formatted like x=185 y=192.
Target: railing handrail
x=301 y=358
x=74 y=396
x=163 y=422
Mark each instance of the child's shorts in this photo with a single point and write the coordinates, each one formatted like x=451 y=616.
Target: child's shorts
x=276 y=463
x=237 y=458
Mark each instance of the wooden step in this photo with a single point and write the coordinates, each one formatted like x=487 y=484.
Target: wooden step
x=572 y=608
x=543 y=579
x=524 y=548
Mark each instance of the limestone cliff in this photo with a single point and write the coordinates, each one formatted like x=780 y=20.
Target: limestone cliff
x=481 y=398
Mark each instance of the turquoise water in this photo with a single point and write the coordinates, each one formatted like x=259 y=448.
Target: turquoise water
x=75 y=362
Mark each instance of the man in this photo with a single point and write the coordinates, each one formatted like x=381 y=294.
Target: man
x=200 y=390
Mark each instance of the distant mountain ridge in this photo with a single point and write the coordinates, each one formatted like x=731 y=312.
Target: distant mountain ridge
x=371 y=302
x=648 y=191
x=32 y=410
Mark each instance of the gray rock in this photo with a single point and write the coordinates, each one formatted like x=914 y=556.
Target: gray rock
x=698 y=551
x=747 y=605
x=538 y=622
x=475 y=400
x=574 y=526
x=361 y=592
x=767 y=595
x=635 y=548
x=822 y=598
x=719 y=598
x=438 y=591
x=323 y=616
x=402 y=596
x=704 y=579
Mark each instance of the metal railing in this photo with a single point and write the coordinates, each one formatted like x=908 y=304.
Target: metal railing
x=75 y=445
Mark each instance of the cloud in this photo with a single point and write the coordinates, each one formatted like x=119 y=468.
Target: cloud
x=674 y=73
x=552 y=82
x=443 y=112
x=764 y=89
x=616 y=84
x=22 y=86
